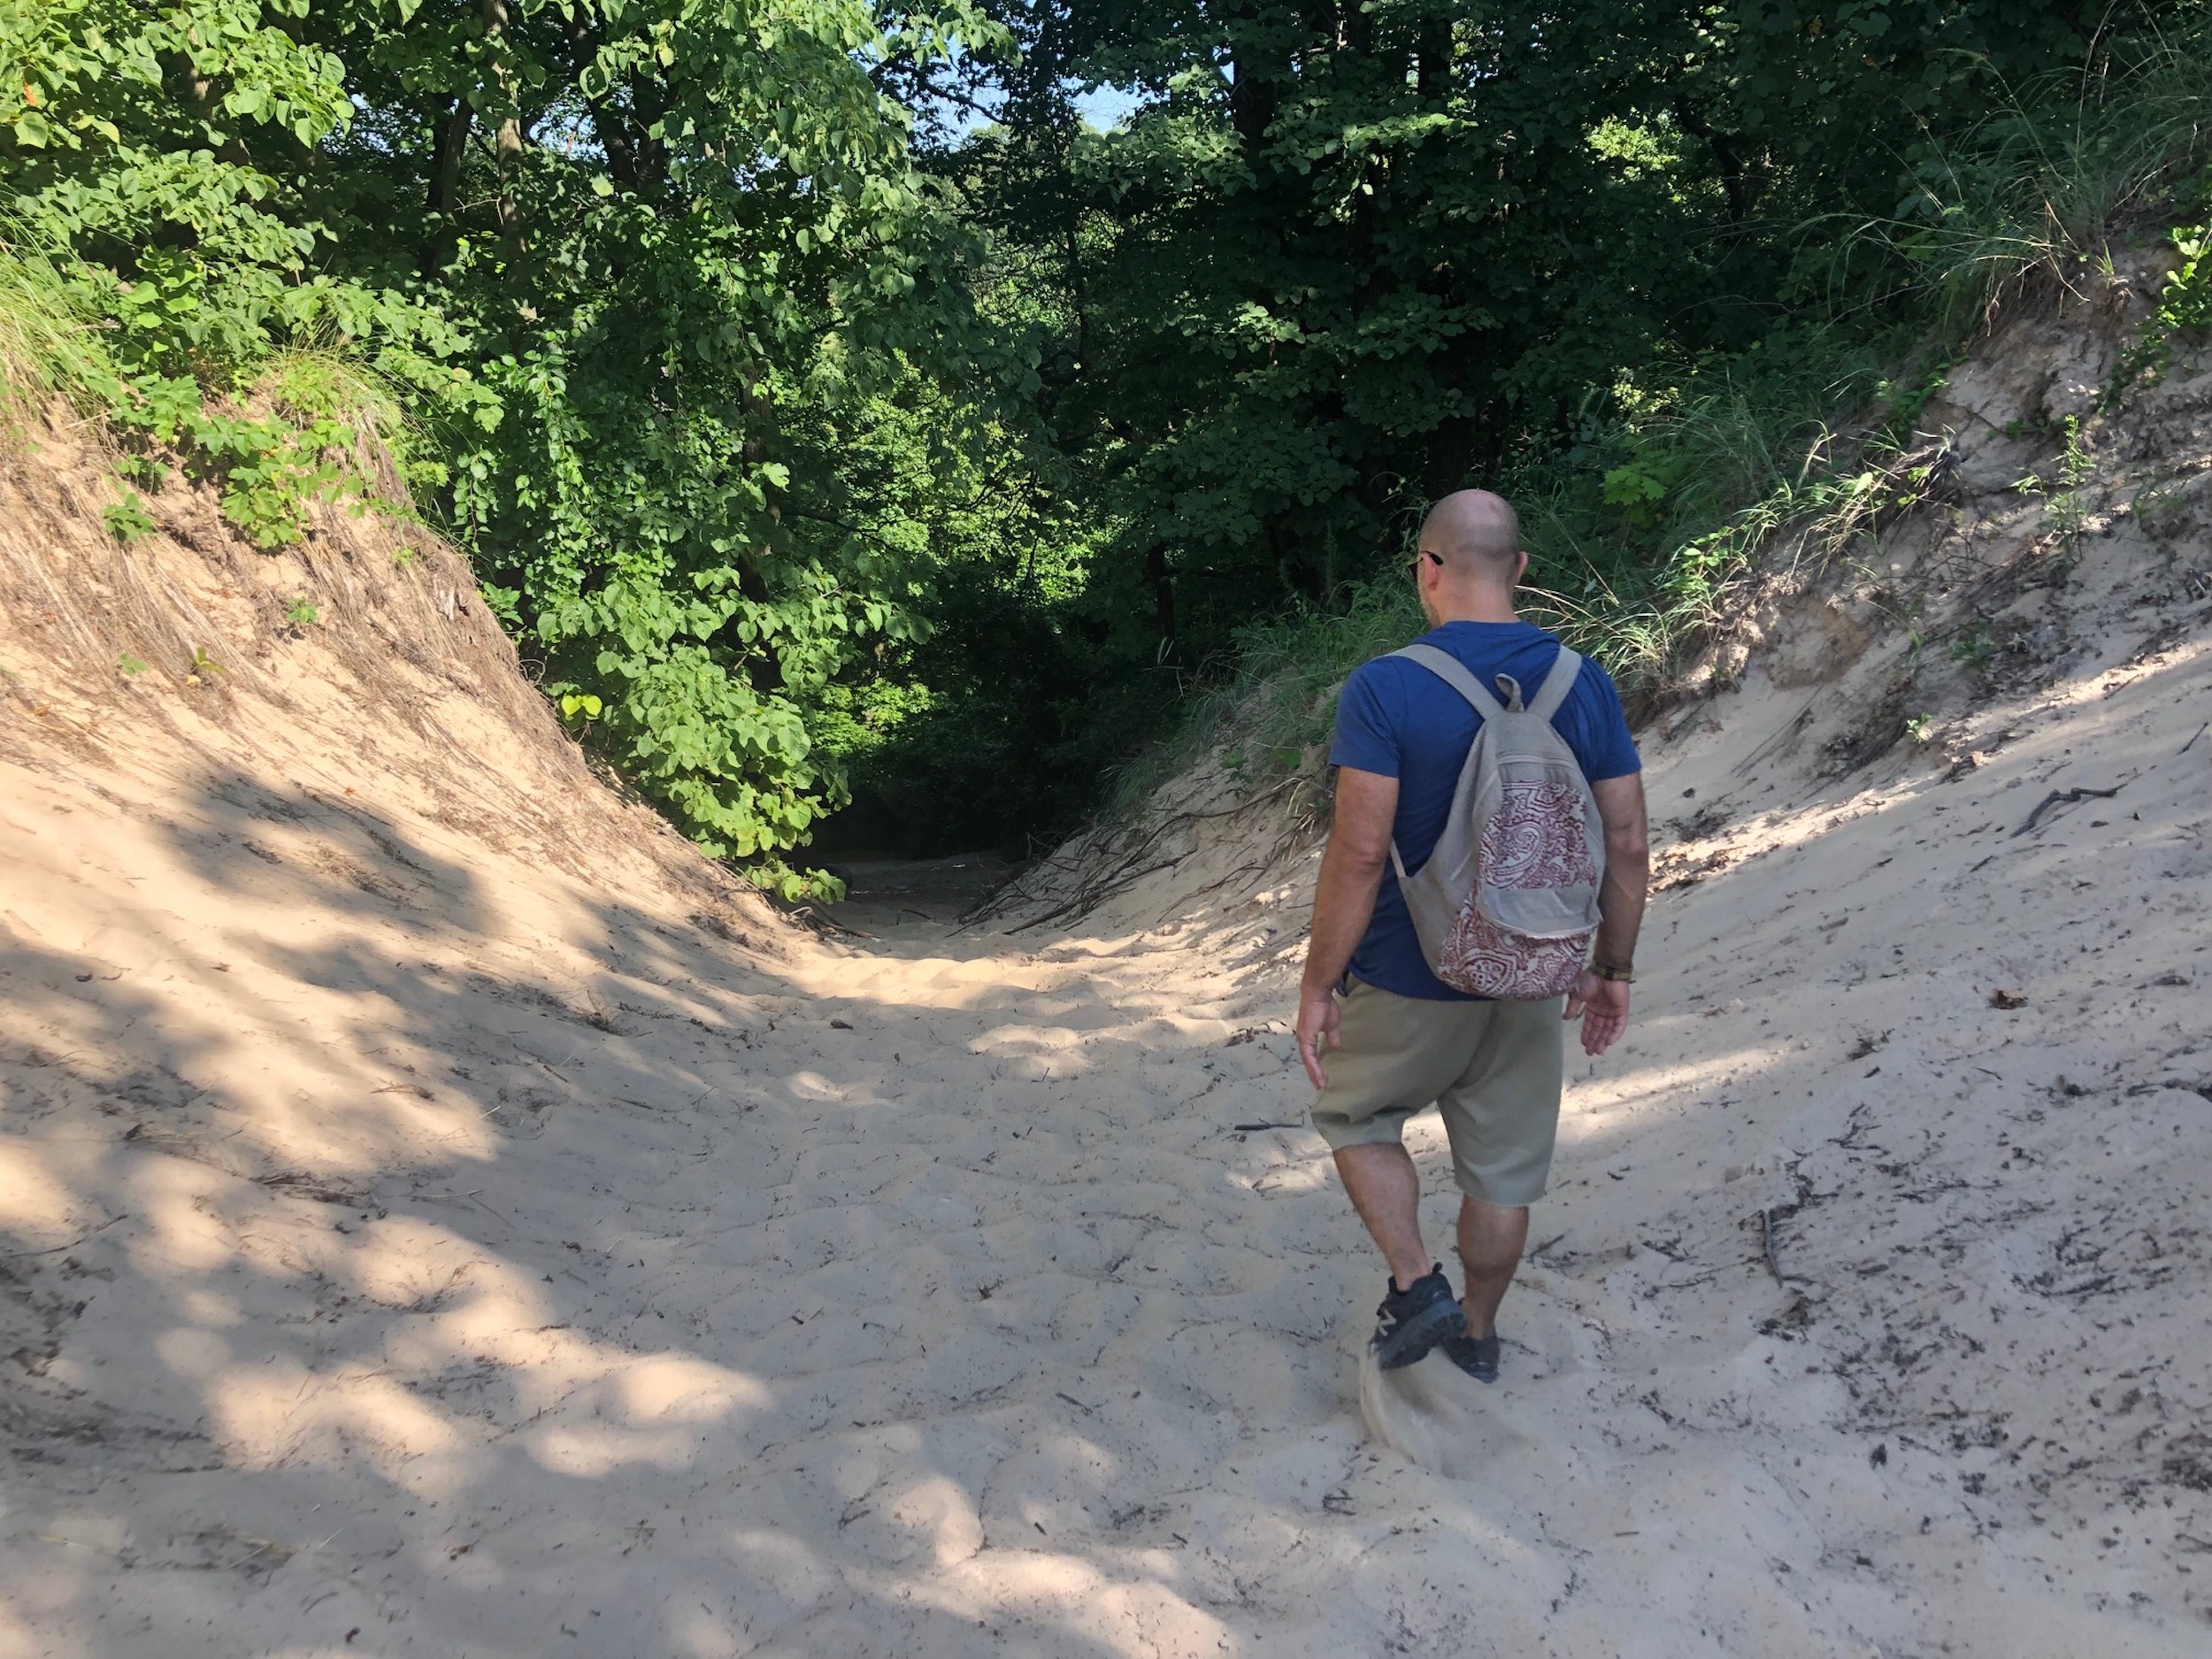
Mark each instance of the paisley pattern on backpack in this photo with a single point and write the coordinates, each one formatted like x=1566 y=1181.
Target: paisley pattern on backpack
x=1535 y=839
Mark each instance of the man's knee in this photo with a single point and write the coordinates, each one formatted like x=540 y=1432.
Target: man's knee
x=1368 y=1153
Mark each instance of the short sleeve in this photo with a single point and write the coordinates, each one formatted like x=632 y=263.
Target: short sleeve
x=1366 y=735
x=1600 y=737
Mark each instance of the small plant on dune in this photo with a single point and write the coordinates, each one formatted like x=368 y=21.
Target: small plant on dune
x=2185 y=306
x=1975 y=649
x=301 y=613
x=127 y=521
x=1917 y=728
x=2062 y=506
x=143 y=470
x=202 y=666
x=2162 y=512
x=129 y=666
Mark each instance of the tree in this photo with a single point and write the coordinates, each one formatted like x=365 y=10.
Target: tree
x=1352 y=255
x=648 y=270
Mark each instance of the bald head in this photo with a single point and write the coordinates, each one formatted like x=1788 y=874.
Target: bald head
x=1477 y=535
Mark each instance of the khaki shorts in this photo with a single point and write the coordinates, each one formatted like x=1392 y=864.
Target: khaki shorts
x=1495 y=1069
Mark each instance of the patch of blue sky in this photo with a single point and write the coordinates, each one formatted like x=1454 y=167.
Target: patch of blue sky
x=1107 y=107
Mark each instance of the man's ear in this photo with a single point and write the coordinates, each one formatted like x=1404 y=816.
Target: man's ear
x=1520 y=567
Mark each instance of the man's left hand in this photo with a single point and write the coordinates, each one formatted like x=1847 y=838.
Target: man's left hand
x=1602 y=1007
x=1318 y=1017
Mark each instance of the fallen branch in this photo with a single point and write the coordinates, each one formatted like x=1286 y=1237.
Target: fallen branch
x=1091 y=897
x=2063 y=797
x=1773 y=1251
x=56 y=1249
x=1130 y=869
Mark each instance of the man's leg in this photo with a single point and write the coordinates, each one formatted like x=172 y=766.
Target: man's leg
x=1385 y=1190
x=1502 y=1118
x=1394 y=1055
x=1491 y=1237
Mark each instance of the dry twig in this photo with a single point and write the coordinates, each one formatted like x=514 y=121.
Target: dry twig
x=2067 y=796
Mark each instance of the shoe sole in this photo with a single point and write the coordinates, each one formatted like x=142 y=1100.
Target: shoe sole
x=1411 y=1342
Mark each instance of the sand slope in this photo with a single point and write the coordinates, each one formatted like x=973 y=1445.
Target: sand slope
x=441 y=1228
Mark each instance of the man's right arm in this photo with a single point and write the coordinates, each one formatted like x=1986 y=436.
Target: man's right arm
x=1343 y=904
x=1602 y=1004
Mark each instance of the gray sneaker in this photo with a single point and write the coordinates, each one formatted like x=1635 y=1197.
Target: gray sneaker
x=1413 y=1321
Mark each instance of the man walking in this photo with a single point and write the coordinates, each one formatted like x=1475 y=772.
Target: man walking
x=1401 y=1038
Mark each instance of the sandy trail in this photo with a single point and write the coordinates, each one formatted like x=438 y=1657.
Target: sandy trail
x=497 y=1270
x=439 y=1215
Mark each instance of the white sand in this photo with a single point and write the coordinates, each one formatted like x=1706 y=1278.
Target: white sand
x=411 y=1245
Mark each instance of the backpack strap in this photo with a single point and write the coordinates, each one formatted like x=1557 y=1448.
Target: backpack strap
x=1556 y=685
x=1453 y=674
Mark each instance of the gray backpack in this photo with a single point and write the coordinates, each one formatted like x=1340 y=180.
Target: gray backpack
x=1507 y=904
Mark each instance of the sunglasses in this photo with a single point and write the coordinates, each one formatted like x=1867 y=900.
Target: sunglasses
x=1413 y=564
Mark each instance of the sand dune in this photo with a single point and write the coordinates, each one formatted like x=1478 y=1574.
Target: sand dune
x=450 y=1228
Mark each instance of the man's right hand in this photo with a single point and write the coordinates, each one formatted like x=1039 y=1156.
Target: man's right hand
x=1602 y=1007
x=1318 y=1017
x=1343 y=903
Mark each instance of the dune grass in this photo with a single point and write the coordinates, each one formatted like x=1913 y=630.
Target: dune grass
x=46 y=338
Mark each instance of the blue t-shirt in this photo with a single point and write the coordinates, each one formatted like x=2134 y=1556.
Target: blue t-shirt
x=1398 y=720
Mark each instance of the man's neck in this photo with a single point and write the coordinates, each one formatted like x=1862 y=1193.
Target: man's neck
x=1481 y=604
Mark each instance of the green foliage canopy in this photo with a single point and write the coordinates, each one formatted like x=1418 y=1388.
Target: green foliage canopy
x=644 y=273
x=820 y=397
x=1347 y=256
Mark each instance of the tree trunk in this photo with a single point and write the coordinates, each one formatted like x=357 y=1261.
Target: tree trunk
x=1162 y=581
x=445 y=188
x=1251 y=95
x=1432 y=71
x=1735 y=179
x=1355 y=27
x=507 y=128
x=1251 y=108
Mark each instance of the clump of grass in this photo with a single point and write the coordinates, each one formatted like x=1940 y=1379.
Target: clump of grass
x=42 y=326
x=316 y=424
x=1752 y=460
x=2034 y=193
x=314 y=384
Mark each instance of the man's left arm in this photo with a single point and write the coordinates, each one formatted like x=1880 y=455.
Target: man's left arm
x=1343 y=904
x=1602 y=1003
